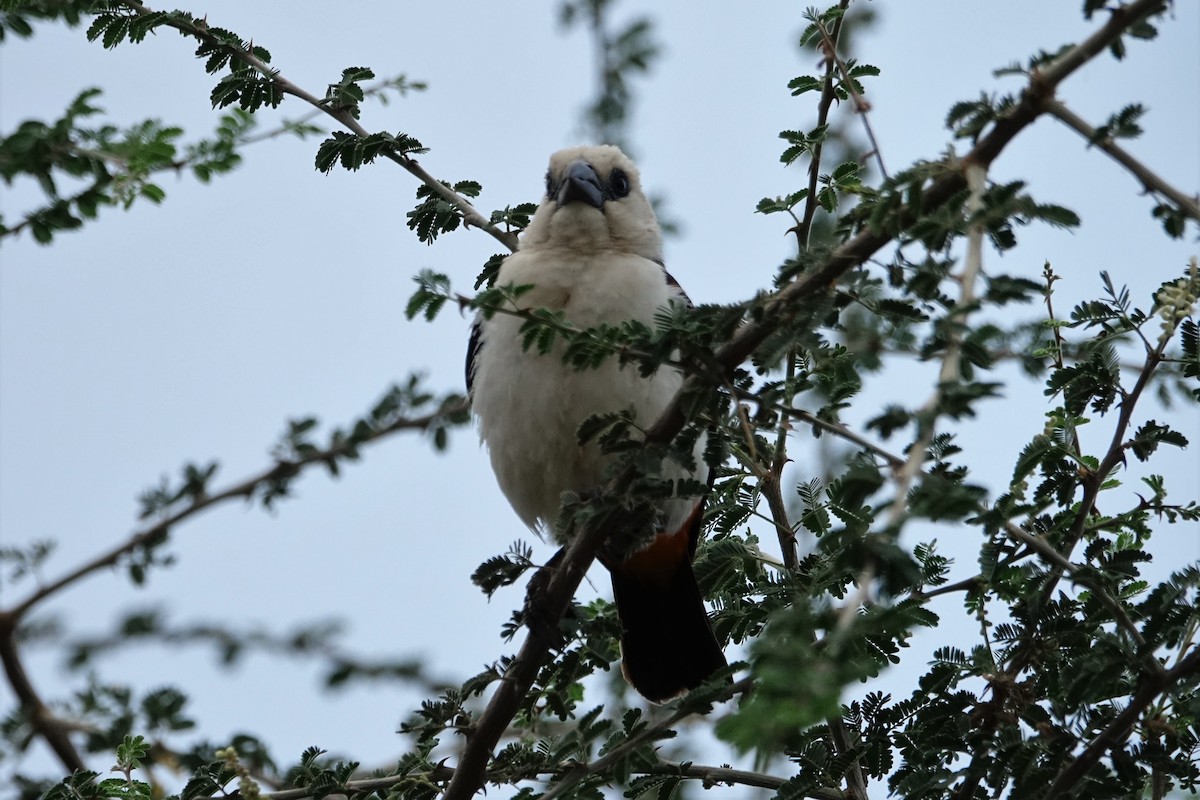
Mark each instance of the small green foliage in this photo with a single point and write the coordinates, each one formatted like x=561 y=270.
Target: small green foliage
x=192 y=487
x=968 y=118
x=801 y=143
x=514 y=218
x=819 y=24
x=804 y=83
x=891 y=420
x=115 y=164
x=769 y=205
x=1150 y=436
x=113 y=28
x=130 y=753
x=248 y=88
x=433 y=290
x=435 y=214
x=27 y=560
x=353 y=151
x=503 y=570
x=1121 y=125
x=321 y=777
x=491 y=270
x=347 y=94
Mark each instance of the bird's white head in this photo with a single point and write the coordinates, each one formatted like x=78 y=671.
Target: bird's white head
x=594 y=203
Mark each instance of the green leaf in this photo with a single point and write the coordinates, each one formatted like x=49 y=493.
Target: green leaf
x=804 y=83
x=433 y=290
x=1150 y=436
x=131 y=751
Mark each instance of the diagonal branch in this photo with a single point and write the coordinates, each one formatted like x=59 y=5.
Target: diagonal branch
x=1152 y=686
x=577 y=773
x=471 y=215
x=43 y=722
x=709 y=775
x=53 y=730
x=771 y=480
x=1149 y=179
x=239 y=491
x=828 y=95
x=861 y=106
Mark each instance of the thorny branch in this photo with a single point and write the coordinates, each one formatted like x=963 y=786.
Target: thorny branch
x=471 y=215
x=1149 y=689
x=861 y=106
x=239 y=491
x=55 y=731
x=1149 y=179
x=581 y=771
x=708 y=775
x=803 y=230
x=121 y=162
x=43 y=721
x=771 y=480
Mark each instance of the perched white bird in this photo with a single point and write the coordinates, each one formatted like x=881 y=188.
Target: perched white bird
x=593 y=250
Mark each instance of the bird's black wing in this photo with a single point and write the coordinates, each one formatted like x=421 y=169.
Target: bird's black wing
x=672 y=282
x=474 y=345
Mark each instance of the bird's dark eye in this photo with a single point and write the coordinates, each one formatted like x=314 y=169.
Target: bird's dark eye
x=619 y=183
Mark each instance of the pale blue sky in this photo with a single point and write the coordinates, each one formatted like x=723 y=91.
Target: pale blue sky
x=191 y=331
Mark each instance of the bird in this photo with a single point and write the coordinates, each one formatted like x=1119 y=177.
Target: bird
x=593 y=251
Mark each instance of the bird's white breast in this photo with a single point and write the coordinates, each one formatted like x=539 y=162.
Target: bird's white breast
x=530 y=405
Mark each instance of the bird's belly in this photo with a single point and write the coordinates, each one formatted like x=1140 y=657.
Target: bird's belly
x=529 y=417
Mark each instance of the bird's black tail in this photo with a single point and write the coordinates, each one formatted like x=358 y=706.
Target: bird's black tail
x=667 y=644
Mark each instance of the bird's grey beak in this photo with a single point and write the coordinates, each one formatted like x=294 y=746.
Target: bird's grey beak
x=581 y=184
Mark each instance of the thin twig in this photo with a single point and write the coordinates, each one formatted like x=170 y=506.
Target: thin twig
x=580 y=771
x=54 y=731
x=828 y=95
x=43 y=722
x=951 y=369
x=708 y=775
x=1094 y=480
x=1149 y=179
x=861 y=106
x=772 y=482
x=471 y=215
x=239 y=491
x=1043 y=548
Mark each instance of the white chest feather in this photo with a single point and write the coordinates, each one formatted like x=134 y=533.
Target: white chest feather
x=530 y=405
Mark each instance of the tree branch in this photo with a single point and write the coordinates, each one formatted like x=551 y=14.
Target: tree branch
x=41 y=719
x=52 y=730
x=709 y=775
x=1112 y=736
x=861 y=106
x=242 y=490
x=1149 y=179
x=613 y=756
x=828 y=95
x=471 y=215
x=951 y=371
